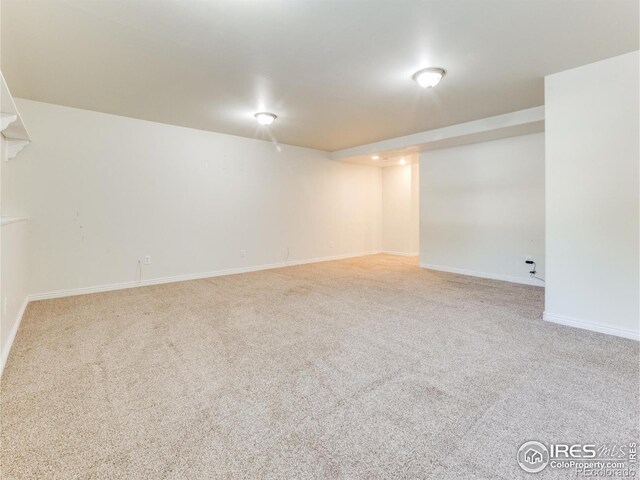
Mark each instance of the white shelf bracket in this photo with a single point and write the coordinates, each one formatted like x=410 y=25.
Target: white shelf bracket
x=6 y=119
x=11 y=126
x=14 y=147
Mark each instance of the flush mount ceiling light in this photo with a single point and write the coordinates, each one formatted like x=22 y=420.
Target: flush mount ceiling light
x=265 y=118
x=375 y=157
x=403 y=161
x=428 y=77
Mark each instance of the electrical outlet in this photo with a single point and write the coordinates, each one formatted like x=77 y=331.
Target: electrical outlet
x=331 y=243
x=147 y=260
x=243 y=253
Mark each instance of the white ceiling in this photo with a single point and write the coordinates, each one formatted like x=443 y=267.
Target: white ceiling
x=388 y=158
x=336 y=72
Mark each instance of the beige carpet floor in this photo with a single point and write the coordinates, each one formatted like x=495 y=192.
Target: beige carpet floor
x=361 y=368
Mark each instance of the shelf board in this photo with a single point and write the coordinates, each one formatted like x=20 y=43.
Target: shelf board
x=6 y=220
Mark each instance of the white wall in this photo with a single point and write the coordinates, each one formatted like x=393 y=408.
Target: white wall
x=415 y=206
x=103 y=191
x=13 y=266
x=399 y=209
x=13 y=283
x=482 y=208
x=592 y=157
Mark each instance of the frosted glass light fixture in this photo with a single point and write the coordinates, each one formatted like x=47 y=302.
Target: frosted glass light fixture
x=265 y=118
x=428 y=77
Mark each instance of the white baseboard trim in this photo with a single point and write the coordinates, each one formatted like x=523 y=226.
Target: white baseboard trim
x=402 y=254
x=191 y=276
x=492 y=276
x=12 y=335
x=594 y=327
